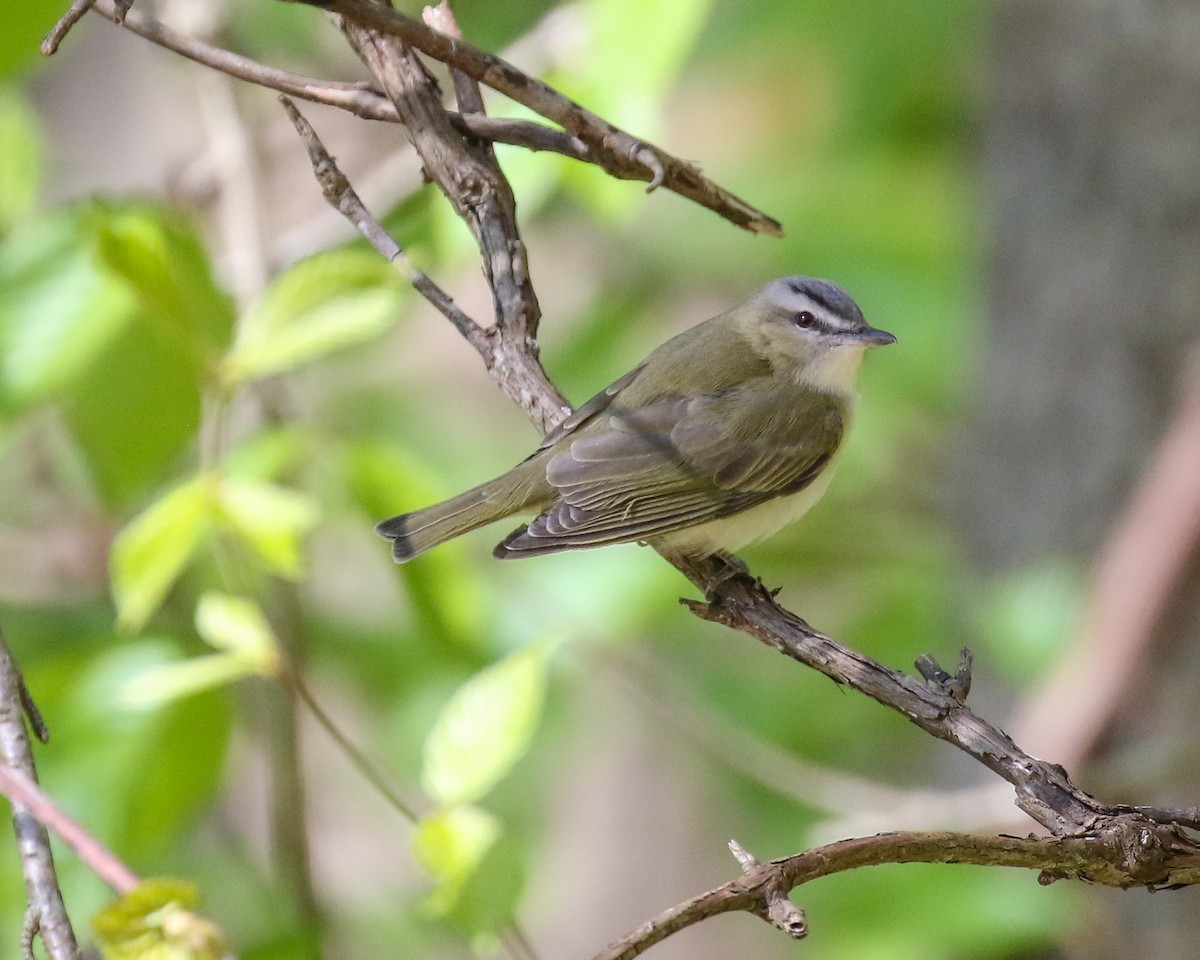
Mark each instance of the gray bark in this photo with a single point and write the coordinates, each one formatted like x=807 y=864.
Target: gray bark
x=1093 y=169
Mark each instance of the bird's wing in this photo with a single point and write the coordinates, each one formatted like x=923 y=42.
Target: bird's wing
x=586 y=411
x=665 y=467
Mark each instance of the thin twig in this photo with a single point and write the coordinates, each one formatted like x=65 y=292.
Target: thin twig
x=59 y=31
x=360 y=99
x=18 y=781
x=408 y=806
x=342 y=197
x=1042 y=790
x=466 y=88
x=619 y=153
x=468 y=175
x=1057 y=858
x=20 y=789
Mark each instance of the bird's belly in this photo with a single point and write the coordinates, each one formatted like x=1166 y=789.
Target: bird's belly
x=734 y=532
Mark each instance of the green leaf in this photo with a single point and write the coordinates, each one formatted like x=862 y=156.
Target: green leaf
x=486 y=727
x=150 y=553
x=237 y=626
x=449 y=844
x=186 y=745
x=133 y=412
x=141 y=778
x=58 y=311
x=161 y=257
x=321 y=304
x=272 y=452
x=165 y=683
x=154 y=921
x=269 y=519
x=20 y=151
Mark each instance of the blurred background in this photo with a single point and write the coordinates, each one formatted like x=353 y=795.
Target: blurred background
x=210 y=391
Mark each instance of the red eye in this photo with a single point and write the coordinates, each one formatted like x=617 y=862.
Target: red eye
x=805 y=319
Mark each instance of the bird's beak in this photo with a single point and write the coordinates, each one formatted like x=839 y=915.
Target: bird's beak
x=874 y=338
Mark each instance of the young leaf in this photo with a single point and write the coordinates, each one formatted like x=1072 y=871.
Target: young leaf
x=269 y=519
x=321 y=304
x=165 y=263
x=154 y=920
x=58 y=311
x=152 y=550
x=133 y=412
x=164 y=683
x=486 y=727
x=237 y=626
x=450 y=844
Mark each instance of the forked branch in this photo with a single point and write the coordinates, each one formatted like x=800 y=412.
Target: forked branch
x=1104 y=843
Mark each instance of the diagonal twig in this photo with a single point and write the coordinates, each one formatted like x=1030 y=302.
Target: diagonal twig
x=360 y=99
x=367 y=102
x=620 y=154
x=342 y=197
x=1042 y=790
x=469 y=177
x=758 y=886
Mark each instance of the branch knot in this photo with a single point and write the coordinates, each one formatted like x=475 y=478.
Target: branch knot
x=773 y=904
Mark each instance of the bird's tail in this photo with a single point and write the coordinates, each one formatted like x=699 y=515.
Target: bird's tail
x=414 y=533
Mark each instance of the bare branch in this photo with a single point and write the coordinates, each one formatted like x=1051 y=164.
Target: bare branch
x=466 y=89
x=343 y=198
x=619 y=153
x=360 y=99
x=468 y=175
x=1098 y=859
x=1043 y=790
x=47 y=914
x=21 y=789
x=776 y=908
x=60 y=30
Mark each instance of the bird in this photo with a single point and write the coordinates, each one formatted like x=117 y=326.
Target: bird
x=723 y=435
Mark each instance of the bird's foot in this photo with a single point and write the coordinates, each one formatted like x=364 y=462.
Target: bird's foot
x=727 y=566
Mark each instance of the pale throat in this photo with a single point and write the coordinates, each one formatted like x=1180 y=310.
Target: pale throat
x=834 y=370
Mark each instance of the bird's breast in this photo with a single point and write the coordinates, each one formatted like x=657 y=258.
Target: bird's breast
x=749 y=526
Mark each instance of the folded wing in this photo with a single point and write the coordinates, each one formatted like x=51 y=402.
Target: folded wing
x=667 y=466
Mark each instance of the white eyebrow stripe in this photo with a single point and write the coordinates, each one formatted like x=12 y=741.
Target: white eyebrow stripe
x=835 y=321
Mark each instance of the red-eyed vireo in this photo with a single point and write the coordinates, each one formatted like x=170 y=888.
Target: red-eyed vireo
x=723 y=435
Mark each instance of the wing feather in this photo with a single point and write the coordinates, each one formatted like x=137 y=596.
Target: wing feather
x=670 y=465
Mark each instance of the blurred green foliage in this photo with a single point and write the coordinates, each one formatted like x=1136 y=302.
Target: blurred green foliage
x=237 y=456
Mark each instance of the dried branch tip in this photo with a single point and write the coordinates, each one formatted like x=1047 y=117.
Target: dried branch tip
x=775 y=907
x=957 y=686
